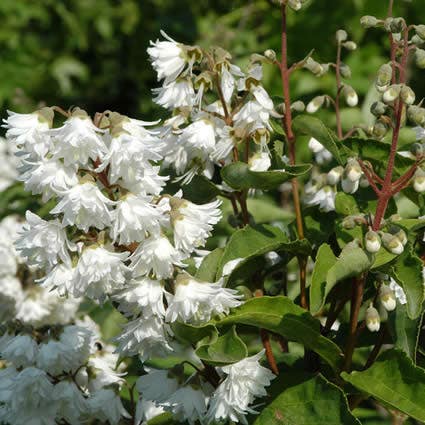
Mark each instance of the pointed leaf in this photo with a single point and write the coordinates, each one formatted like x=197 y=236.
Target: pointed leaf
x=208 y=269
x=395 y=381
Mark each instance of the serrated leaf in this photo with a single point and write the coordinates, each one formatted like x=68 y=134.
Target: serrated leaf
x=319 y=289
x=382 y=257
x=407 y=272
x=395 y=381
x=238 y=176
x=352 y=262
x=280 y=315
x=314 y=127
x=208 y=269
x=227 y=349
x=314 y=400
x=411 y=224
x=405 y=331
x=253 y=241
x=200 y=190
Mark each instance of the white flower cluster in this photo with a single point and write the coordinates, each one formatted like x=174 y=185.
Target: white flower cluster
x=8 y=164
x=216 y=107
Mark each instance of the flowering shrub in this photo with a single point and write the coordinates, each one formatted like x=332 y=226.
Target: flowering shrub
x=288 y=317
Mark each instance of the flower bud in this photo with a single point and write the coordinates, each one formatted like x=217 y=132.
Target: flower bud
x=418 y=149
x=295 y=4
x=372 y=242
x=368 y=21
x=419 y=181
x=341 y=35
x=313 y=66
x=364 y=182
x=348 y=186
x=316 y=103
x=387 y=298
x=353 y=171
x=392 y=243
x=420 y=31
x=407 y=95
x=350 y=96
x=383 y=78
x=394 y=25
x=416 y=114
x=420 y=58
x=391 y=93
x=270 y=55
x=379 y=129
x=373 y=321
x=298 y=106
x=345 y=70
x=416 y=40
x=334 y=175
x=378 y=108
x=350 y=45
x=348 y=223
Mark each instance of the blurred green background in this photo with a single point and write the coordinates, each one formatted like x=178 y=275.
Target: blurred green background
x=92 y=53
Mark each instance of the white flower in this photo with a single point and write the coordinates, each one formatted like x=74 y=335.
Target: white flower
x=226 y=142
x=48 y=176
x=141 y=295
x=76 y=340
x=59 y=278
x=372 y=242
x=103 y=367
x=30 y=130
x=231 y=265
x=252 y=116
x=155 y=255
x=8 y=260
x=193 y=223
x=199 y=135
x=105 y=406
x=398 y=291
x=373 y=321
x=147 y=410
x=144 y=336
x=245 y=381
x=321 y=154
x=349 y=186
x=149 y=182
x=195 y=301
x=325 y=198
x=157 y=385
x=387 y=297
x=43 y=243
x=187 y=404
x=84 y=205
x=176 y=94
x=70 y=401
x=353 y=171
x=53 y=357
x=98 y=272
x=168 y=58
x=10 y=296
x=135 y=217
x=78 y=140
x=21 y=351
x=260 y=162
x=8 y=165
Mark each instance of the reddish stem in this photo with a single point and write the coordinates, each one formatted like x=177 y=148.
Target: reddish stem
x=338 y=91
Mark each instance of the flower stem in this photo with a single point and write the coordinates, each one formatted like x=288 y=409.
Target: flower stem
x=287 y=124
x=338 y=91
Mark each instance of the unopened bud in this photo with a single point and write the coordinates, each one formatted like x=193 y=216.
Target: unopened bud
x=295 y=4
x=394 y=25
x=416 y=40
x=315 y=104
x=420 y=58
x=341 y=35
x=372 y=242
x=334 y=175
x=419 y=181
x=392 y=243
x=345 y=70
x=298 y=106
x=380 y=129
x=387 y=298
x=368 y=21
x=270 y=55
x=350 y=45
x=391 y=93
x=378 y=108
x=407 y=95
x=416 y=114
x=350 y=96
x=373 y=321
x=418 y=149
x=348 y=223
x=383 y=78
x=364 y=182
x=349 y=186
x=420 y=31
x=313 y=66
x=353 y=171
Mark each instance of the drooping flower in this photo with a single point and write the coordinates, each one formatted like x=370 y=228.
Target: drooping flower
x=157 y=385
x=105 y=405
x=21 y=351
x=175 y=94
x=321 y=154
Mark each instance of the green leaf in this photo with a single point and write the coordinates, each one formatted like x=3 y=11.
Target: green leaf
x=162 y=419
x=200 y=190
x=319 y=289
x=311 y=401
x=240 y=177
x=280 y=315
x=346 y=204
x=411 y=224
x=228 y=348
x=253 y=241
x=193 y=334
x=395 y=381
x=407 y=272
x=382 y=257
x=405 y=331
x=314 y=127
x=352 y=262
x=208 y=269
